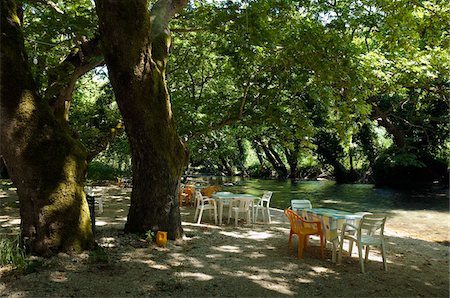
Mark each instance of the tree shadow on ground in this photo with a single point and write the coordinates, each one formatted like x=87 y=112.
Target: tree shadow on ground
x=248 y=260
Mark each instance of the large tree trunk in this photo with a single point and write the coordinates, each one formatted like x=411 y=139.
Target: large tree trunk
x=330 y=150
x=292 y=159
x=242 y=157
x=259 y=154
x=45 y=163
x=136 y=42
x=273 y=158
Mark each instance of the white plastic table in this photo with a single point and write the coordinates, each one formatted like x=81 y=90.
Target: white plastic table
x=222 y=197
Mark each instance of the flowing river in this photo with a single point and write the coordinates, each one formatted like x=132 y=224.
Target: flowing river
x=418 y=214
x=350 y=197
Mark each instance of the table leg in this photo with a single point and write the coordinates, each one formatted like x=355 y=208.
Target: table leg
x=253 y=212
x=335 y=242
x=220 y=212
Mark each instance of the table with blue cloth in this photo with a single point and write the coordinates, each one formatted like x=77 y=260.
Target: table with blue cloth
x=332 y=221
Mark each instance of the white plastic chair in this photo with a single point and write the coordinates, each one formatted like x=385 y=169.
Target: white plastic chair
x=239 y=206
x=263 y=205
x=204 y=203
x=98 y=200
x=297 y=205
x=369 y=232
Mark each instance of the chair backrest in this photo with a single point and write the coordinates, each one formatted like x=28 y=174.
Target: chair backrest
x=88 y=191
x=372 y=224
x=298 y=223
x=300 y=204
x=242 y=204
x=208 y=191
x=199 y=197
x=189 y=190
x=265 y=199
x=294 y=219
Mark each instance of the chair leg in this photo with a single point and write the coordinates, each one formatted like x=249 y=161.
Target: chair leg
x=305 y=241
x=341 y=248
x=350 y=247
x=200 y=216
x=361 y=260
x=236 y=215
x=289 y=241
x=321 y=245
x=367 y=253
x=196 y=213
x=268 y=215
x=383 y=253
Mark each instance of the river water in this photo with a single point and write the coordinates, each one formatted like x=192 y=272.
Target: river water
x=350 y=197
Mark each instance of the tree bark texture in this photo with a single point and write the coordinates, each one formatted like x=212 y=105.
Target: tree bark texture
x=292 y=159
x=330 y=150
x=259 y=154
x=242 y=156
x=44 y=162
x=136 y=42
x=273 y=158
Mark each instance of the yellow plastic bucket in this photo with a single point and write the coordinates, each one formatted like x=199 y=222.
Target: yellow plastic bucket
x=161 y=238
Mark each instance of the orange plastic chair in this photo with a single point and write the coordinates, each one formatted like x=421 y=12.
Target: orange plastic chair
x=208 y=191
x=187 y=194
x=303 y=229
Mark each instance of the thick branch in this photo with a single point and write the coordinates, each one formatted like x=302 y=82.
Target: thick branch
x=397 y=134
x=227 y=121
x=62 y=79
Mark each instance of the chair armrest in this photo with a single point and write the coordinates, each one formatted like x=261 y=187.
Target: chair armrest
x=344 y=229
x=346 y=224
x=209 y=200
x=317 y=223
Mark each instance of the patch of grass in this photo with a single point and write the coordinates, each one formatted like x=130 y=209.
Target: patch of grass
x=98 y=255
x=12 y=252
x=150 y=236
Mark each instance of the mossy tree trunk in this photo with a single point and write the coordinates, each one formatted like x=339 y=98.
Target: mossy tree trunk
x=136 y=42
x=45 y=163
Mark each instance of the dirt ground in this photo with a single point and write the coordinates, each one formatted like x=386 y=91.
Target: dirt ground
x=250 y=260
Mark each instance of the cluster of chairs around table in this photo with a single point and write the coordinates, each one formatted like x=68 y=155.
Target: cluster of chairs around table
x=366 y=231
x=247 y=207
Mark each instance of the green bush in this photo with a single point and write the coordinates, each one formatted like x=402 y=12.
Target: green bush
x=256 y=170
x=101 y=171
x=403 y=169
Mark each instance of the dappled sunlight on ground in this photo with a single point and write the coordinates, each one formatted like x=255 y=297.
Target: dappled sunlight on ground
x=248 y=260
x=248 y=234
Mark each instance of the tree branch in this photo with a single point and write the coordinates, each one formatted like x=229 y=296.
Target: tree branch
x=62 y=79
